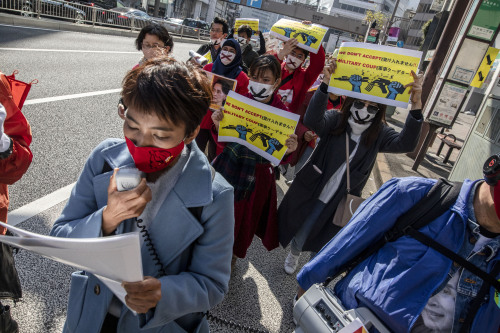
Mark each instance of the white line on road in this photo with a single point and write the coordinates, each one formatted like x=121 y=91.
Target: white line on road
x=73 y=96
x=70 y=51
x=18 y=26
x=38 y=206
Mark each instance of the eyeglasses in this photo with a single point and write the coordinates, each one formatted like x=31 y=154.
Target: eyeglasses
x=215 y=30
x=372 y=109
x=154 y=46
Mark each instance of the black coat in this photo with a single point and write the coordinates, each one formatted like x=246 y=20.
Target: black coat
x=328 y=156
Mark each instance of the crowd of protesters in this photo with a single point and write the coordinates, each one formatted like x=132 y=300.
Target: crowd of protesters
x=219 y=195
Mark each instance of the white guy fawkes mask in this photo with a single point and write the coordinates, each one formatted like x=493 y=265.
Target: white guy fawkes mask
x=361 y=116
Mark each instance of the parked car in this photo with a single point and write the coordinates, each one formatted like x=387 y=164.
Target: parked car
x=52 y=8
x=122 y=16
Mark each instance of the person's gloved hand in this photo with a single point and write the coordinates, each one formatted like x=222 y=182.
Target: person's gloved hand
x=4 y=139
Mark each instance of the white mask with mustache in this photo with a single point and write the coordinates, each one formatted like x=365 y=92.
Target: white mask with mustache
x=360 y=120
x=293 y=62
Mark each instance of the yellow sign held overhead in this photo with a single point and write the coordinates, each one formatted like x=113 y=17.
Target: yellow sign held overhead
x=309 y=36
x=253 y=23
x=485 y=67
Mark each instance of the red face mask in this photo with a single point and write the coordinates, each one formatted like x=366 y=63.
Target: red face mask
x=151 y=159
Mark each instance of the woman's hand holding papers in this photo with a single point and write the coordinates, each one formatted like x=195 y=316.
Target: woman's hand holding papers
x=144 y=295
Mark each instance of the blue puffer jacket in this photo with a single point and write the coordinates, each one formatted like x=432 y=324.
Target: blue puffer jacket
x=397 y=281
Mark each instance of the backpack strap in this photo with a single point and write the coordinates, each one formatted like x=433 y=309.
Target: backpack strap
x=437 y=201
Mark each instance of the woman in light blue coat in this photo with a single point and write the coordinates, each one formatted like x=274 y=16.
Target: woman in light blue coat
x=186 y=207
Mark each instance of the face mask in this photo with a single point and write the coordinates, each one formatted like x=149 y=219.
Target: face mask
x=226 y=57
x=260 y=91
x=293 y=62
x=151 y=159
x=360 y=119
x=243 y=41
x=215 y=41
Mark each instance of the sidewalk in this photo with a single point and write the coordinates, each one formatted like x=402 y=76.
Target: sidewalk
x=432 y=166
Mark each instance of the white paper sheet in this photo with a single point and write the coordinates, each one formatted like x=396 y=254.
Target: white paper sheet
x=112 y=259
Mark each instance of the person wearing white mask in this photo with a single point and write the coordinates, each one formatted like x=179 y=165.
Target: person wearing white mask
x=252 y=176
x=219 y=29
x=227 y=64
x=296 y=80
x=306 y=212
x=247 y=51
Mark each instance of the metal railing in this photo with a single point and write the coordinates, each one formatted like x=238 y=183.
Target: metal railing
x=94 y=15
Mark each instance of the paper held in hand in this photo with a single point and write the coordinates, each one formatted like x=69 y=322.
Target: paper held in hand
x=112 y=259
x=375 y=73
x=252 y=22
x=261 y=128
x=309 y=36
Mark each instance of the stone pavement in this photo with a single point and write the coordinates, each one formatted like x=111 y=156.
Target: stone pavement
x=432 y=166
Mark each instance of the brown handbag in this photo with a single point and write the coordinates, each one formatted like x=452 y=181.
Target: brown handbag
x=349 y=203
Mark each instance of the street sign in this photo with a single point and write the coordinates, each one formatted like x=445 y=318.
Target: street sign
x=254 y=3
x=400 y=43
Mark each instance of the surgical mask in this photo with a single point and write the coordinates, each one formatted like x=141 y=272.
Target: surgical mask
x=260 y=91
x=152 y=159
x=293 y=62
x=226 y=57
x=242 y=41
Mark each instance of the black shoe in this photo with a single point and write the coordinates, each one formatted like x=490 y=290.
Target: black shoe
x=7 y=324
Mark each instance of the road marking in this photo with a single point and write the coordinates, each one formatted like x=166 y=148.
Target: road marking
x=38 y=206
x=18 y=26
x=68 y=51
x=73 y=96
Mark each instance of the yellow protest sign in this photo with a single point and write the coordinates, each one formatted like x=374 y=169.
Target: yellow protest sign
x=485 y=67
x=253 y=23
x=208 y=55
x=309 y=36
x=375 y=73
x=260 y=127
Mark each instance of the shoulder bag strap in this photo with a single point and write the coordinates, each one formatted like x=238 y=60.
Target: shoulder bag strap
x=347 y=162
x=286 y=80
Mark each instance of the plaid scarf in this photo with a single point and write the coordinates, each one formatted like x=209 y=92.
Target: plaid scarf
x=237 y=164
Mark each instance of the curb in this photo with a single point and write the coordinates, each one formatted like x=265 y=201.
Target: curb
x=17 y=20
x=381 y=171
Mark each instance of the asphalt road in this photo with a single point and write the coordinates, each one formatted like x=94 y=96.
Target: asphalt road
x=64 y=133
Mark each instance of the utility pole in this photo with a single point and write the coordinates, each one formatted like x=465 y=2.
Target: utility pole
x=389 y=23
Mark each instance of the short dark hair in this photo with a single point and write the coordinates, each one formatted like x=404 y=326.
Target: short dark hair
x=157 y=30
x=246 y=29
x=225 y=26
x=263 y=63
x=306 y=53
x=371 y=134
x=224 y=86
x=170 y=89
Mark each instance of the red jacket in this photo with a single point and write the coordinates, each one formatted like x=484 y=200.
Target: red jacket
x=302 y=78
x=15 y=165
x=241 y=88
